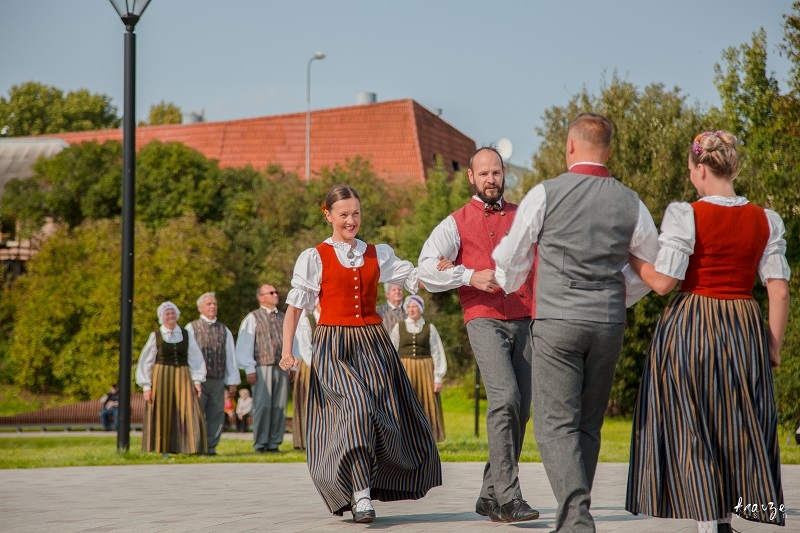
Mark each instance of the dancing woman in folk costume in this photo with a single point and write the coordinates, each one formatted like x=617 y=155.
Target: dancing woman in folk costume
x=170 y=370
x=705 y=441
x=366 y=433
x=421 y=351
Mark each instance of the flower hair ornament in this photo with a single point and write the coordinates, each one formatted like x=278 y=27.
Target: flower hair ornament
x=696 y=148
x=324 y=210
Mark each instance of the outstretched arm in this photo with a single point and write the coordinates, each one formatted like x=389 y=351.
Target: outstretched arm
x=290 y=320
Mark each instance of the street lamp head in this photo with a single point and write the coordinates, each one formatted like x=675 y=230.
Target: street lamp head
x=130 y=11
x=319 y=55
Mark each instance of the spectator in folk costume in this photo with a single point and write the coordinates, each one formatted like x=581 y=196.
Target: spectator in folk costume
x=258 y=352
x=216 y=342
x=705 y=426
x=366 y=436
x=392 y=311
x=422 y=354
x=171 y=370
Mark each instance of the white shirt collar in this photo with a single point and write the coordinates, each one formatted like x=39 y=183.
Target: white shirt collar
x=586 y=163
x=500 y=201
x=360 y=248
x=268 y=310
x=168 y=332
x=208 y=320
x=725 y=201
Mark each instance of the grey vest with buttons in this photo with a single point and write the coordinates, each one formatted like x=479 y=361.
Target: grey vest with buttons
x=583 y=246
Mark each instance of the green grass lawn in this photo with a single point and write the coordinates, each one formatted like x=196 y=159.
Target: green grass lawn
x=461 y=444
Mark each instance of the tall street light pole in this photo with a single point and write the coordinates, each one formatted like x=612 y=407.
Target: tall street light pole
x=318 y=55
x=130 y=11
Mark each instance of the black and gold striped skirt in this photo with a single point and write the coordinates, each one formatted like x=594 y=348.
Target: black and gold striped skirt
x=300 y=403
x=705 y=425
x=173 y=420
x=420 y=374
x=365 y=427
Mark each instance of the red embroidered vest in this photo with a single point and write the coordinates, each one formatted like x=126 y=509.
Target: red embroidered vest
x=480 y=232
x=729 y=243
x=348 y=294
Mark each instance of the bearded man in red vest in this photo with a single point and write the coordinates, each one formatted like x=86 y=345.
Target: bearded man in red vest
x=498 y=325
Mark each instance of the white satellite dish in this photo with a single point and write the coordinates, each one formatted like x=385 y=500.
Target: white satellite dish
x=505 y=148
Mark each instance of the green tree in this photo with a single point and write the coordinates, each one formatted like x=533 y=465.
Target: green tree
x=163 y=113
x=33 y=108
x=66 y=331
x=172 y=180
x=766 y=123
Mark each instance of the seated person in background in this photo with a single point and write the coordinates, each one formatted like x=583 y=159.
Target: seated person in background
x=229 y=406
x=243 y=410
x=110 y=405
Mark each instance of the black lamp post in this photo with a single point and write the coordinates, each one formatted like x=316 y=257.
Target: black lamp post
x=130 y=11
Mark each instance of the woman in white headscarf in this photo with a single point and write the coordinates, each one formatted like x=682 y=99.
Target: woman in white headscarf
x=422 y=354
x=170 y=370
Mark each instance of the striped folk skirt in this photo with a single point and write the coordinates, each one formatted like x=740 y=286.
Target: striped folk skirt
x=300 y=402
x=705 y=439
x=173 y=420
x=365 y=428
x=420 y=374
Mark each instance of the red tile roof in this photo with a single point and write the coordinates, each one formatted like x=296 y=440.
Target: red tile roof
x=400 y=138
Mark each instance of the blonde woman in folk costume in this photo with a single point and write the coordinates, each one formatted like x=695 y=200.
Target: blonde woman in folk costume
x=705 y=440
x=170 y=370
x=366 y=436
x=420 y=348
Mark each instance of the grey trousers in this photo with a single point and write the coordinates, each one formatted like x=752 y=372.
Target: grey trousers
x=573 y=370
x=212 y=402
x=270 y=394
x=502 y=350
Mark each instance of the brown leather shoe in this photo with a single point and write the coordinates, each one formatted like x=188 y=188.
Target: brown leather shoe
x=516 y=510
x=485 y=506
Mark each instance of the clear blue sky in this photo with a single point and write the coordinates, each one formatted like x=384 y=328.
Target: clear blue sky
x=492 y=67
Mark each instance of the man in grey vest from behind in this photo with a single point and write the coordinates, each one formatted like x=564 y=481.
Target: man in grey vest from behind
x=258 y=352
x=216 y=342
x=585 y=223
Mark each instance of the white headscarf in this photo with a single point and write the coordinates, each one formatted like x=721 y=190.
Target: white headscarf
x=163 y=307
x=417 y=300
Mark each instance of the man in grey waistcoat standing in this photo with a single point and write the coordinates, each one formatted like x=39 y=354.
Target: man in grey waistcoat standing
x=498 y=326
x=585 y=223
x=258 y=352
x=216 y=342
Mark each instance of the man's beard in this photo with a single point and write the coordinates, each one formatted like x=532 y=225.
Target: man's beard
x=480 y=194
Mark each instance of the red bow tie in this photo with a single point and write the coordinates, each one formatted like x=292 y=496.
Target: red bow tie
x=492 y=207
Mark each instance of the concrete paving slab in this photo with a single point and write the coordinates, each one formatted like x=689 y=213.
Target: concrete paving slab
x=279 y=497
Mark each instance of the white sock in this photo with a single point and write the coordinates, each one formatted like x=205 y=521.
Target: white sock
x=707 y=527
x=726 y=520
x=361 y=501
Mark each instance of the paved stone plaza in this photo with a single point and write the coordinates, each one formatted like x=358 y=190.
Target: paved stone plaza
x=279 y=497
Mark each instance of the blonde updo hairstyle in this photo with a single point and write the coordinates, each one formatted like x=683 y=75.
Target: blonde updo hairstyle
x=717 y=151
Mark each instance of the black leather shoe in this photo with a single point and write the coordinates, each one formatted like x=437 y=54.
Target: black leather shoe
x=363 y=517
x=725 y=528
x=485 y=506
x=514 y=511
